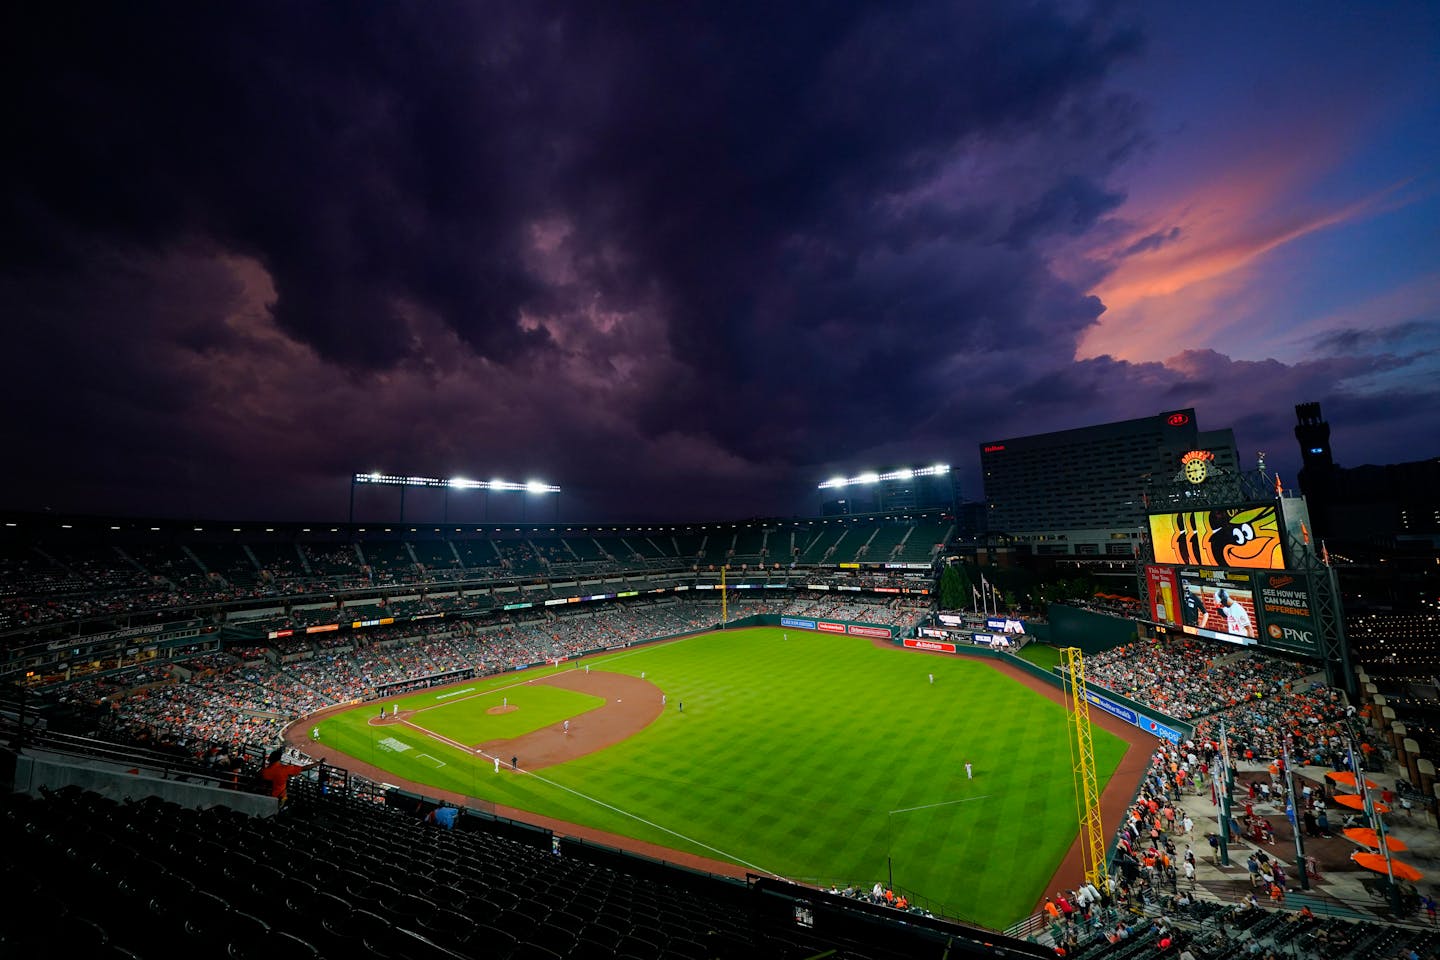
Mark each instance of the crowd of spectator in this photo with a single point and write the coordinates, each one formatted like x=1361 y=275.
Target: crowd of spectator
x=244 y=703
x=1187 y=678
x=1256 y=728
x=879 y=580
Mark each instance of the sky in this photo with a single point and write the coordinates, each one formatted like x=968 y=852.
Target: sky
x=688 y=260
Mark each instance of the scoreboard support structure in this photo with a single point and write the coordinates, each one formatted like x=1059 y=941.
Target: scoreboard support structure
x=1326 y=642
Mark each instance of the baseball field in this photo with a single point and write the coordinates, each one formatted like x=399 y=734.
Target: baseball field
x=825 y=759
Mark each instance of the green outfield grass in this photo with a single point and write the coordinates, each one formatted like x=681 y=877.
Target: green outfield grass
x=1041 y=654
x=815 y=757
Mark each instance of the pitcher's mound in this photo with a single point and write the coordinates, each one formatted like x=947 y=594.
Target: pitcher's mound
x=509 y=708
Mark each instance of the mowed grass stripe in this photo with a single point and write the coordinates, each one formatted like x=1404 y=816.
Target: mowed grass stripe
x=790 y=754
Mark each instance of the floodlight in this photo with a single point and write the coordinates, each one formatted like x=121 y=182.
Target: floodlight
x=871 y=477
x=535 y=486
x=904 y=474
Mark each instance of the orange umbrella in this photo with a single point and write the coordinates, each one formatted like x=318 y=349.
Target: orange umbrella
x=1348 y=778
x=1356 y=802
x=1369 y=838
x=1399 y=868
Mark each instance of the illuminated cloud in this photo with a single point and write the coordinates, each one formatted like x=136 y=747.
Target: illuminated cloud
x=675 y=264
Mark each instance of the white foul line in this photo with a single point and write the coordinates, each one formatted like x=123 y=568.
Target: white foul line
x=943 y=803
x=649 y=823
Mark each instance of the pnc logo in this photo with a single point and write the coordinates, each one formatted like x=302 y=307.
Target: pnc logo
x=1178 y=419
x=1275 y=632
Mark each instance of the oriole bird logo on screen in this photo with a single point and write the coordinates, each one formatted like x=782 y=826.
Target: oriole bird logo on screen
x=1243 y=537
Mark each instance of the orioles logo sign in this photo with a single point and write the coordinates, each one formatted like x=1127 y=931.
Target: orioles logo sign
x=1196 y=465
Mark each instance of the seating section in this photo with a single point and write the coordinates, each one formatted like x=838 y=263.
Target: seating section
x=279 y=561
x=688 y=546
x=584 y=549
x=47 y=577
x=349 y=871
x=334 y=560
x=883 y=542
x=436 y=559
x=519 y=558
x=826 y=541
x=339 y=875
x=389 y=561
x=227 y=560
x=924 y=540
x=749 y=545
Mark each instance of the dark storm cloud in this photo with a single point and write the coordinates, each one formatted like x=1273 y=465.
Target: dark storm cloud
x=1152 y=242
x=677 y=257
x=1352 y=339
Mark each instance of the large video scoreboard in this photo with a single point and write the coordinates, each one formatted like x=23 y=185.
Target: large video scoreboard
x=1221 y=573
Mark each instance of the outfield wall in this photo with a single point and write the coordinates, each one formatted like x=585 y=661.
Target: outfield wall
x=1090 y=631
x=854 y=628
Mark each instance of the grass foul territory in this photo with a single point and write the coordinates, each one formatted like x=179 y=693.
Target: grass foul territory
x=816 y=757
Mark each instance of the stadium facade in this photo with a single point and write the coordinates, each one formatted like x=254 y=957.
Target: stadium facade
x=1081 y=493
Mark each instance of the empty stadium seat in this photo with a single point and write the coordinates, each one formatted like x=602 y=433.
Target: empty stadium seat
x=448 y=927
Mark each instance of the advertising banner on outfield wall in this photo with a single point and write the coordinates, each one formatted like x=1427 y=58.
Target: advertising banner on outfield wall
x=941 y=645
x=1286 y=614
x=1111 y=707
x=1152 y=727
x=1158 y=729
x=828 y=626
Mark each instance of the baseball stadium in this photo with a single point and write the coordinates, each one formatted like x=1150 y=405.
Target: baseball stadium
x=848 y=737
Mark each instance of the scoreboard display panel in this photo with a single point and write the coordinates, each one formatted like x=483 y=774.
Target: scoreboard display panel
x=1219 y=605
x=1287 y=612
x=1245 y=537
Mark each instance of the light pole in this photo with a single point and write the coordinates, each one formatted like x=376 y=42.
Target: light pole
x=376 y=478
x=1221 y=785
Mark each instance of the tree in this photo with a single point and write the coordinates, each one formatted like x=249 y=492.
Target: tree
x=955 y=588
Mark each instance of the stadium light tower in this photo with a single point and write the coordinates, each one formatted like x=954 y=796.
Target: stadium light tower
x=889 y=483
x=376 y=478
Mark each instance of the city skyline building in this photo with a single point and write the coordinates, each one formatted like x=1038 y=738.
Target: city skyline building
x=1083 y=492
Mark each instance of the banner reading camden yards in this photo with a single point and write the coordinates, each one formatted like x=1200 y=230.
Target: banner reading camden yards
x=1286 y=612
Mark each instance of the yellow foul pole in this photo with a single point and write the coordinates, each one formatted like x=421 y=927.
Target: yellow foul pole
x=724 y=600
